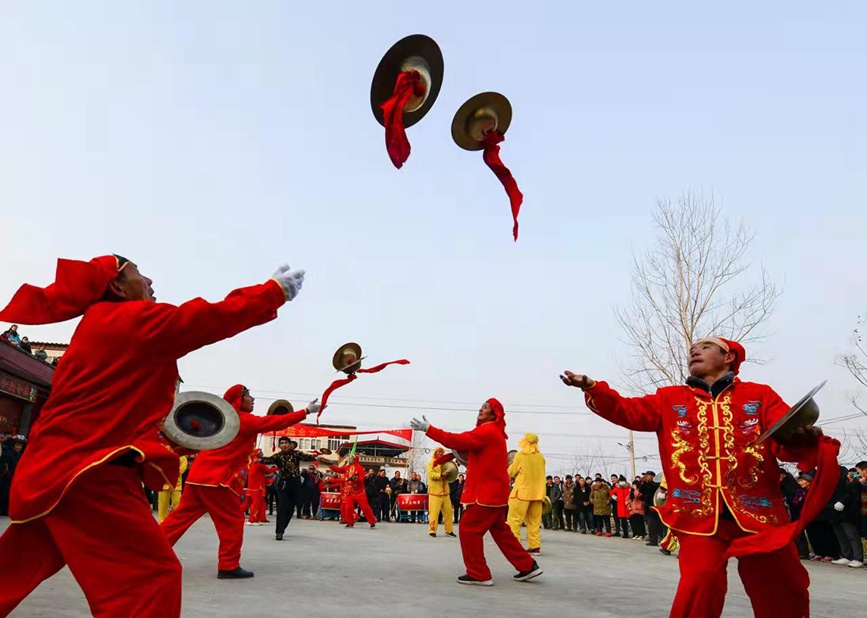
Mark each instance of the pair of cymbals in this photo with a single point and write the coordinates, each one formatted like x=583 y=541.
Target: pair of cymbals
x=482 y=114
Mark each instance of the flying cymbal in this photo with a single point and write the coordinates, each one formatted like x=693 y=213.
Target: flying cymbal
x=416 y=52
x=347 y=358
x=483 y=113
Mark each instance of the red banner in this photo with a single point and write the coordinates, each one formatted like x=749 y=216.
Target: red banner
x=312 y=431
x=412 y=502
x=330 y=501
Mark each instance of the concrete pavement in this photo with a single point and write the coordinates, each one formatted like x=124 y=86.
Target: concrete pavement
x=323 y=569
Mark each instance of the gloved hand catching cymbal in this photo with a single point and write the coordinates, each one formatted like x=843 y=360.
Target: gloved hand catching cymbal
x=290 y=280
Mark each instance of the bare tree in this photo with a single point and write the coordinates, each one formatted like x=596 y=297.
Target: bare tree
x=690 y=284
x=419 y=452
x=855 y=361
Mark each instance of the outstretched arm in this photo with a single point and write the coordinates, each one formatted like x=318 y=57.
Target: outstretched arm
x=635 y=413
x=466 y=441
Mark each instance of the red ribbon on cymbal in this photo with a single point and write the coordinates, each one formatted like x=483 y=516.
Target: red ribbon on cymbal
x=344 y=381
x=408 y=85
x=491 y=156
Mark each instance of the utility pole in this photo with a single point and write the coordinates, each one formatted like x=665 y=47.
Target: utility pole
x=632 y=453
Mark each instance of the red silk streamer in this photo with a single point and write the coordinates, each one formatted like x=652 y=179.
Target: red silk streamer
x=491 y=156
x=824 y=459
x=408 y=85
x=443 y=459
x=344 y=381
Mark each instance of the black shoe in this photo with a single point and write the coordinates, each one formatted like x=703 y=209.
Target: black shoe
x=238 y=573
x=452 y=534
x=373 y=525
x=652 y=544
x=525 y=576
x=469 y=581
x=664 y=552
x=432 y=534
x=278 y=536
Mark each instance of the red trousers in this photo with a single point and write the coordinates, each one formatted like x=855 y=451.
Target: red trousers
x=776 y=582
x=347 y=508
x=255 y=500
x=226 y=512
x=476 y=521
x=104 y=530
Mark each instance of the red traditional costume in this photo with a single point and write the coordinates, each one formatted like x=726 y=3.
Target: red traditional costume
x=485 y=494
x=724 y=494
x=210 y=489
x=98 y=435
x=353 y=493
x=255 y=491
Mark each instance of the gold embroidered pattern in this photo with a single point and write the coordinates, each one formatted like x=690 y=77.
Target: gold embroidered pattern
x=703 y=441
x=756 y=452
x=681 y=447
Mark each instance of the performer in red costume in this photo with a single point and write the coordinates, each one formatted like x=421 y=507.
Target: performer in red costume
x=209 y=484
x=255 y=492
x=352 y=488
x=98 y=433
x=724 y=494
x=485 y=495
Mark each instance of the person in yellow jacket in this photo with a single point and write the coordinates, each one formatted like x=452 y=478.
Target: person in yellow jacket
x=439 y=496
x=169 y=495
x=528 y=492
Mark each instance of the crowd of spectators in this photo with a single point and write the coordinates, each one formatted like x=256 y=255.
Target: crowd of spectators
x=12 y=337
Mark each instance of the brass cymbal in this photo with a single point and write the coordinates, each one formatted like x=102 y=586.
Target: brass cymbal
x=326 y=451
x=415 y=52
x=347 y=358
x=487 y=111
x=803 y=413
x=280 y=407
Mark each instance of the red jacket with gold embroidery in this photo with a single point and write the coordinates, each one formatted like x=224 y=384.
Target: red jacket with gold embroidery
x=708 y=451
x=115 y=386
x=488 y=480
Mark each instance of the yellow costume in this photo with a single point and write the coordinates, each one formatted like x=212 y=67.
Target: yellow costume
x=528 y=491
x=168 y=494
x=438 y=495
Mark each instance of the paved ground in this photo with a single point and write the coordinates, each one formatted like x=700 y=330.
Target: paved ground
x=396 y=569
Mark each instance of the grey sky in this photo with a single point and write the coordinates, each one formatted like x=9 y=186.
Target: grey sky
x=211 y=141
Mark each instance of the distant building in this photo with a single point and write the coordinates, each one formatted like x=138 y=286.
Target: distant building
x=24 y=386
x=54 y=350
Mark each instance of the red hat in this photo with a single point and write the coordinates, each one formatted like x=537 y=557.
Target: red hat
x=77 y=285
x=729 y=346
x=499 y=414
x=235 y=394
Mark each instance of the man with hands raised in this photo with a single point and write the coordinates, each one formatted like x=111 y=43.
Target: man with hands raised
x=485 y=494
x=724 y=496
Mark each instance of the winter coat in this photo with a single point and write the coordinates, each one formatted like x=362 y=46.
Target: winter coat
x=600 y=497
x=555 y=493
x=637 y=502
x=582 y=495
x=622 y=501
x=569 y=496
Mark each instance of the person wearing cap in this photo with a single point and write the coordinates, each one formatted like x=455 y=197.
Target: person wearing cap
x=290 y=487
x=98 y=433
x=528 y=492
x=485 y=495
x=438 y=495
x=724 y=496
x=354 y=493
x=210 y=488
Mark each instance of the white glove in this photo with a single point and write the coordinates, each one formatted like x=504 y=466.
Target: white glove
x=420 y=425
x=839 y=507
x=313 y=407
x=290 y=280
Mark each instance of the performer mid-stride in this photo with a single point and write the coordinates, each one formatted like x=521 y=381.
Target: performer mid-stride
x=210 y=488
x=724 y=488
x=97 y=434
x=352 y=487
x=485 y=494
